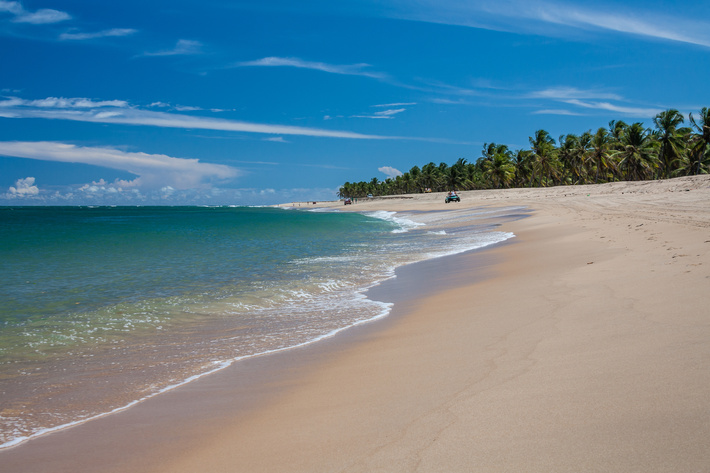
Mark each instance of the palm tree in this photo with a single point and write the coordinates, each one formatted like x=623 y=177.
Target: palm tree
x=617 y=128
x=637 y=155
x=430 y=176
x=457 y=177
x=398 y=186
x=599 y=155
x=572 y=153
x=544 y=159
x=699 y=152
x=499 y=170
x=670 y=140
x=407 y=183
x=416 y=174
x=373 y=186
x=523 y=167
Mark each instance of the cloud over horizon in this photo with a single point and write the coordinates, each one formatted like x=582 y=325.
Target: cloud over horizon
x=23 y=187
x=151 y=170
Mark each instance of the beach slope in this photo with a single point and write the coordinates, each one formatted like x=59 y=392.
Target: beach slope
x=585 y=346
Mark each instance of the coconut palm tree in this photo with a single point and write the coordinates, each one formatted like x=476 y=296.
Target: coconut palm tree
x=637 y=153
x=522 y=160
x=499 y=170
x=670 y=139
x=457 y=177
x=617 y=128
x=572 y=153
x=699 y=146
x=599 y=155
x=544 y=158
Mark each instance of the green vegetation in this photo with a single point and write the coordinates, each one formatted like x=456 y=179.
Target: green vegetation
x=619 y=152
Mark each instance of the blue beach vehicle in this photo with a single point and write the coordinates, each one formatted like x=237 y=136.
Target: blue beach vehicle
x=452 y=197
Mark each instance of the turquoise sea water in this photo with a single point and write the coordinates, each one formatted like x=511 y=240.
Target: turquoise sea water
x=138 y=299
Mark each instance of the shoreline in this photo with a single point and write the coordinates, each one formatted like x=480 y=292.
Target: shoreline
x=126 y=372
x=253 y=379
x=583 y=368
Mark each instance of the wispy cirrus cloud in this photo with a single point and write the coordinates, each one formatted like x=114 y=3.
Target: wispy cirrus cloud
x=571 y=93
x=386 y=114
x=37 y=17
x=60 y=103
x=344 y=69
x=120 y=112
x=653 y=25
x=401 y=104
x=114 y=32
x=549 y=111
x=277 y=139
x=530 y=16
x=46 y=16
x=607 y=106
x=184 y=47
x=151 y=170
x=586 y=99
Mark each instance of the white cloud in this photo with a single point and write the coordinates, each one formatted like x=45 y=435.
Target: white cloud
x=567 y=93
x=390 y=171
x=11 y=7
x=277 y=139
x=38 y=17
x=186 y=108
x=387 y=105
x=350 y=69
x=585 y=99
x=389 y=114
x=535 y=17
x=179 y=108
x=120 y=112
x=555 y=112
x=648 y=25
x=99 y=34
x=60 y=102
x=182 y=48
x=23 y=188
x=152 y=170
x=633 y=111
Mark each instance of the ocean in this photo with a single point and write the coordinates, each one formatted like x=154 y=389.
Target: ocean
x=101 y=307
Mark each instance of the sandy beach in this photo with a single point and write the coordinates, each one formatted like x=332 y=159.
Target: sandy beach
x=583 y=344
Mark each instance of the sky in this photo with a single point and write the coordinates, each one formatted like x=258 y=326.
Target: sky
x=241 y=102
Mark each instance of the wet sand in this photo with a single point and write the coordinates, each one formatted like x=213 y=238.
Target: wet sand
x=581 y=345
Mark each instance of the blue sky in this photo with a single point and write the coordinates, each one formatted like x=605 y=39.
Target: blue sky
x=260 y=102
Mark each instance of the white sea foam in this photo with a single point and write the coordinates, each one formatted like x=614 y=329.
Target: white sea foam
x=385 y=309
x=405 y=224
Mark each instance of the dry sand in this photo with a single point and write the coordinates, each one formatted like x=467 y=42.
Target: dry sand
x=586 y=348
